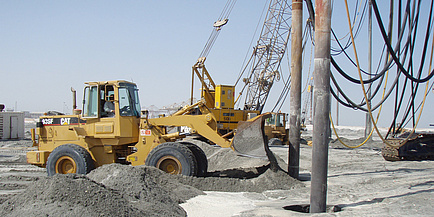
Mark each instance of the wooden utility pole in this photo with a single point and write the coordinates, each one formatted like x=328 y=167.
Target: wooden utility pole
x=295 y=92
x=320 y=140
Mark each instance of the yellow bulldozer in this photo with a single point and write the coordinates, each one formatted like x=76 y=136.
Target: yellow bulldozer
x=111 y=128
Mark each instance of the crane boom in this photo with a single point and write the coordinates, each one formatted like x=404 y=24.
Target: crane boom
x=267 y=54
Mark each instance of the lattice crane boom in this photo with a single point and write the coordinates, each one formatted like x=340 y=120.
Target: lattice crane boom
x=267 y=54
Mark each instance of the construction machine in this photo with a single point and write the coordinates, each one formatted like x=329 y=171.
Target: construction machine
x=220 y=101
x=409 y=146
x=263 y=71
x=111 y=128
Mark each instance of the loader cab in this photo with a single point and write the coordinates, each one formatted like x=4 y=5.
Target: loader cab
x=276 y=120
x=112 y=109
x=109 y=100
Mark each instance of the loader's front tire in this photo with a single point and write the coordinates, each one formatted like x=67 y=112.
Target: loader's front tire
x=69 y=158
x=201 y=159
x=173 y=158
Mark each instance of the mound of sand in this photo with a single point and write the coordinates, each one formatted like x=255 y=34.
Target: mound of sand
x=144 y=183
x=121 y=190
x=69 y=195
x=267 y=180
x=225 y=158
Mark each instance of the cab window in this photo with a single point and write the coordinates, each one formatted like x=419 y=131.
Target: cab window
x=90 y=102
x=107 y=95
x=129 y=104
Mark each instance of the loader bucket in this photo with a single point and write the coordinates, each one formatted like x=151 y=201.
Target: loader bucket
x=250 y=139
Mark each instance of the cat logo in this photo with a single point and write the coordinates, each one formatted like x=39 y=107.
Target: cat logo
x=65 y=121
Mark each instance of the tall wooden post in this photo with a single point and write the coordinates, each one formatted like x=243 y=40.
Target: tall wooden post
x=295 y=92
x=320 y=140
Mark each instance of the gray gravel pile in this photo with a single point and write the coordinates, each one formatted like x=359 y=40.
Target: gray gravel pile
x=264 y=181
x=148 y=185
x=69 y=195
x=121 y=190
x=225 y=158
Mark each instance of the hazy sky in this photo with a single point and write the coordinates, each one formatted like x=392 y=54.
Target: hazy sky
x=47 y=47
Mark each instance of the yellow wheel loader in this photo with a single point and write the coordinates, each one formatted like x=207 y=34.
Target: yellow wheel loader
x=275 y=129
x=110 y=128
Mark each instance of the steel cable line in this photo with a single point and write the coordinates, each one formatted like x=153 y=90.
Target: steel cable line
x=410 y=104
x=388 y=64
x=398 y=104
x=392 y=52
x=285 y=90
x=245 y=65
x=355 y=16
x=343 y=51
x=287 y=84
x=351 y=104
x=421 y=103
x=395 y=114
x=364 y=92
x=223 y=18
x=307 y=31
x=399 y=40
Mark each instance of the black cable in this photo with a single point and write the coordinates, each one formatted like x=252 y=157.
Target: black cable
x=410 y=105
x=353 y=105
x=392 y=52
x=420 y=104
x=357 y=81
x=357 y=32
x=398 y=104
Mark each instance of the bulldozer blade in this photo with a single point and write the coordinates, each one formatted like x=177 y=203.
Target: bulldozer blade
x=250 y=139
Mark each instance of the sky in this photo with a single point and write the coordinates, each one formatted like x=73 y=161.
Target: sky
x=47 y=47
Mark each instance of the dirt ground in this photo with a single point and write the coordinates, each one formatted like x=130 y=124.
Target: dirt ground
x=360 y=183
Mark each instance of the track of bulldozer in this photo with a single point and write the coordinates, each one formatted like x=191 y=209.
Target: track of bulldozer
x=417 y=147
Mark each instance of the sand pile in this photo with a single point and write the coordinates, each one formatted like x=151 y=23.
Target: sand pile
x=225 y=158
x=267 y=180
x=69 y=195
x=143 y=183
x=121 y=190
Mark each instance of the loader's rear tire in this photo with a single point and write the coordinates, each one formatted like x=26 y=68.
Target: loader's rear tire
x=69 y=158
x=202 y=161
x=275 y=142
x=173 y=158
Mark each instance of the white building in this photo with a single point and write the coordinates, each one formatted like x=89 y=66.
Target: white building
x=11 y=125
